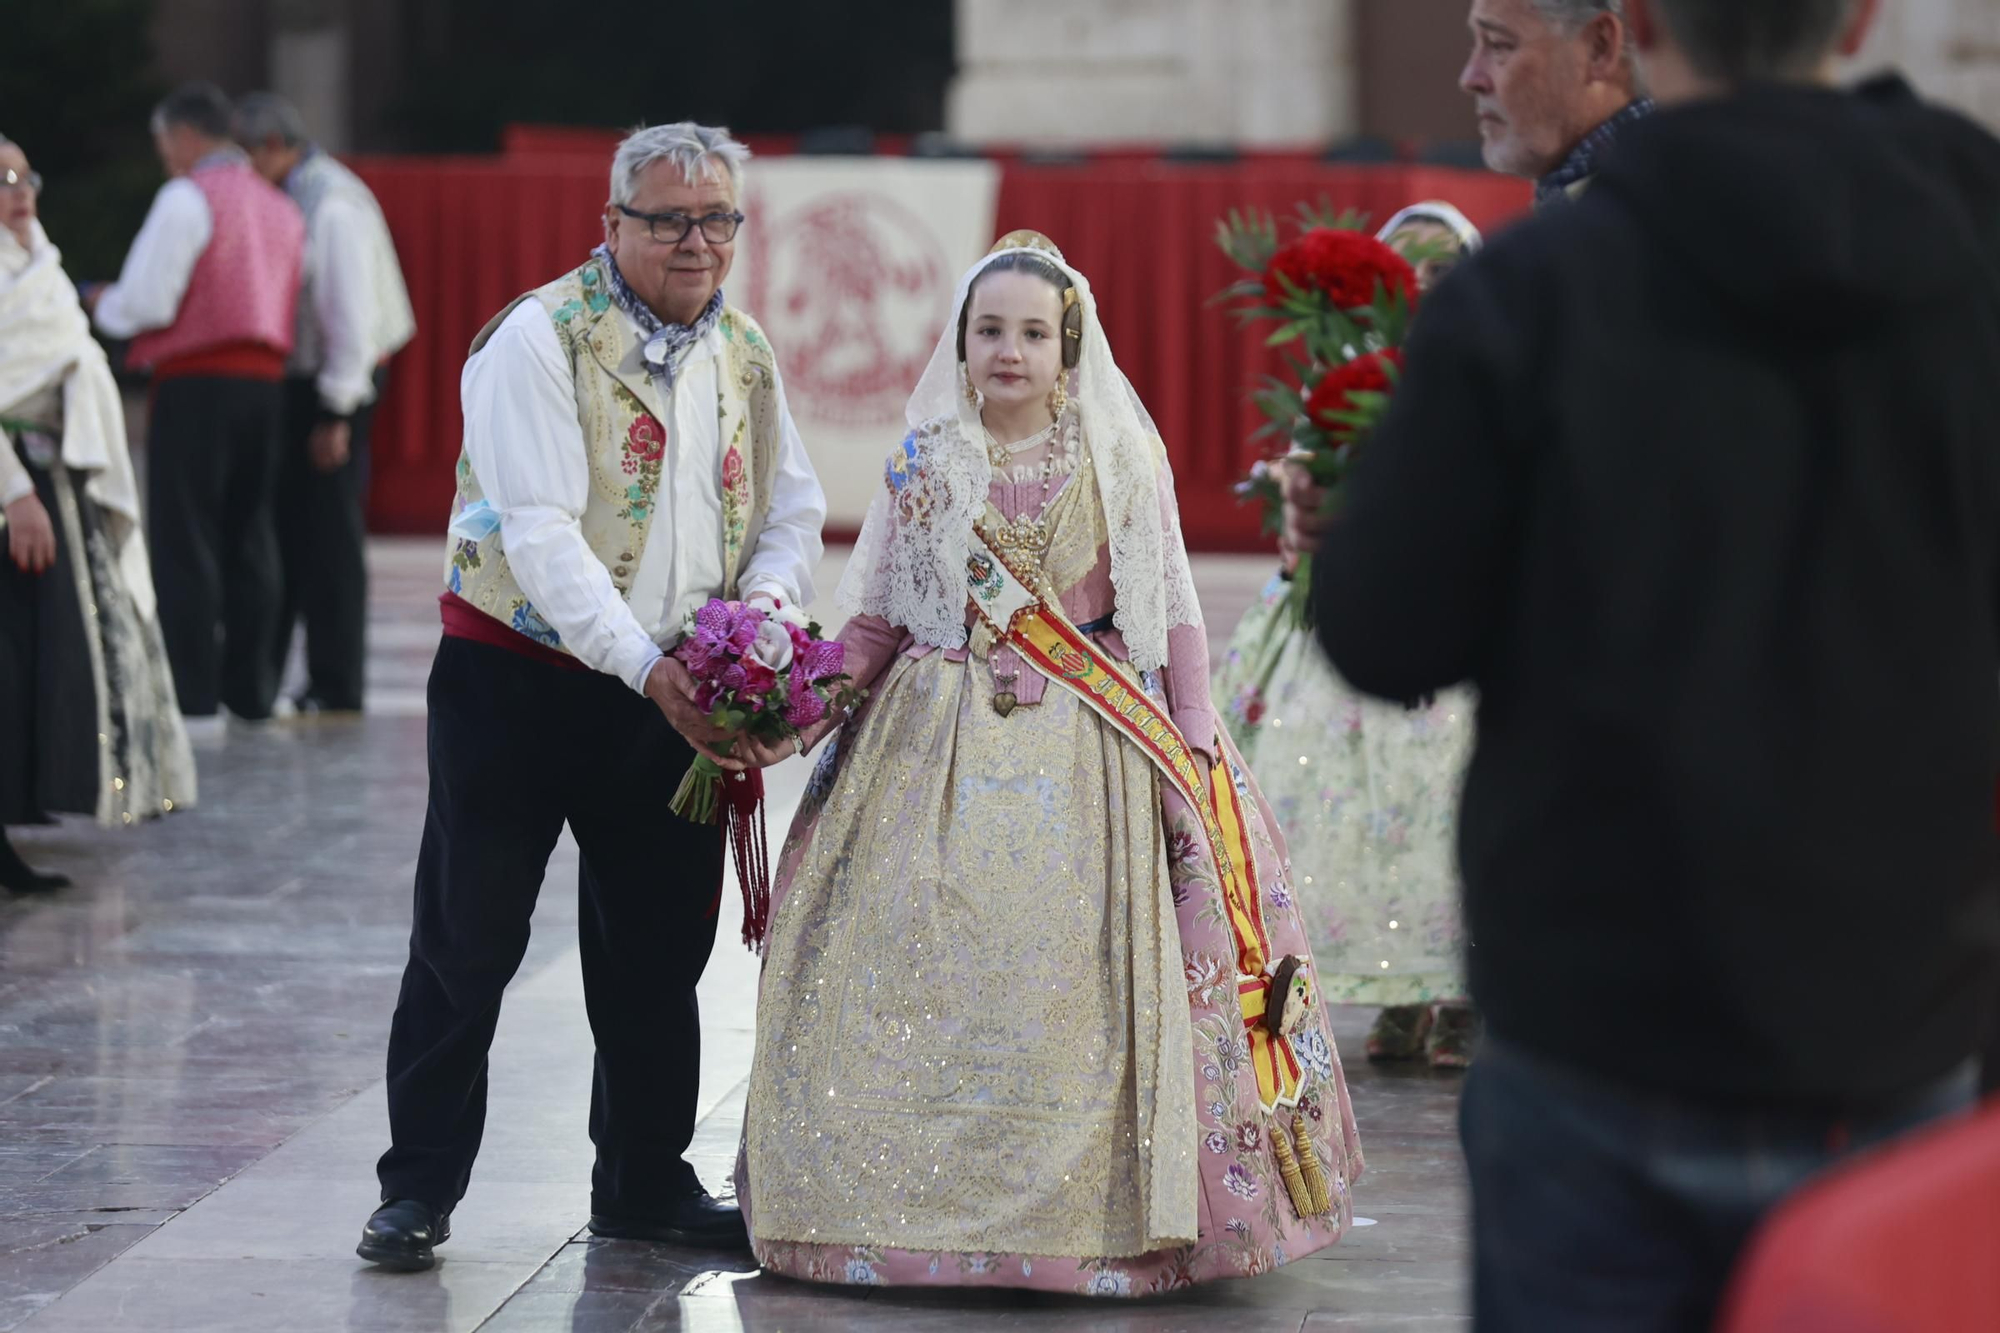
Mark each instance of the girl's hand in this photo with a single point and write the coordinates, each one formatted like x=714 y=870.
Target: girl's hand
x=31 y=538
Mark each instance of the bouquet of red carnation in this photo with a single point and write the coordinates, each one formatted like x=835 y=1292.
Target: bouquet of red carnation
x=763 y=673
x=1343 y=302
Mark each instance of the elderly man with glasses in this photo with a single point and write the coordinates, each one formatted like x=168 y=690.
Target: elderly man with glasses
x=628 y=455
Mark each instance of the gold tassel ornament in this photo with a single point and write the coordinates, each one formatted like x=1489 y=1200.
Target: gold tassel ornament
x=1310 y=1168
x=1288 y=1167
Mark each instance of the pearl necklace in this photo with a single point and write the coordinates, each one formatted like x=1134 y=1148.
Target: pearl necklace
x=1062 y=459
x=999 y=453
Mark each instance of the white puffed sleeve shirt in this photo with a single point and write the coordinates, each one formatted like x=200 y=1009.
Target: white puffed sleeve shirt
x=528 y=451
x=160 y=264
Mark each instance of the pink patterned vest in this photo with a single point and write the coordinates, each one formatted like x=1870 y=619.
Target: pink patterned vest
x=245 y=285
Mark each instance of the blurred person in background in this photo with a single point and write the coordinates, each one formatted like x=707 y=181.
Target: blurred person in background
x=88 y=721
x=208 y=294
x=1656 y=482
x=1554 y=86
x=354 y=314
x=1371 y=822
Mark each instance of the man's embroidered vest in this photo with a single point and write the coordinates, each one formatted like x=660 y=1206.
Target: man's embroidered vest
x=622 y=417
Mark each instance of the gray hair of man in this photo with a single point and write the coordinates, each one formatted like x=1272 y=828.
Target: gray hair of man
x=697 y=151
x=262 y=117
x=1571 y=15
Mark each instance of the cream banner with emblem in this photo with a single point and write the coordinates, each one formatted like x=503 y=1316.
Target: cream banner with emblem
x=849 y=264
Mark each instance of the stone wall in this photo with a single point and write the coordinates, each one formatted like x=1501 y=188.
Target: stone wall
x=1295 y=72
x=1949 y=48
x=1055 y=72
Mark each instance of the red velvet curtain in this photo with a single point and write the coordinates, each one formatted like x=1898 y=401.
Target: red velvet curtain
x=473 y=233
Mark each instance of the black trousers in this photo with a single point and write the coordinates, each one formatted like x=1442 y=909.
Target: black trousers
x=211 y=472
x=323 y=540
x=518 y=747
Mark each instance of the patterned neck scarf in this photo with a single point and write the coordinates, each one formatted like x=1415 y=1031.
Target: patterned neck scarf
x=227 y=155
x=1589 y=153
x=667 y=345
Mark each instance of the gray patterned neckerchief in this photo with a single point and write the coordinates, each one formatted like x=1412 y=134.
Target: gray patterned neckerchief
x=1588 y=155
x=667 y=345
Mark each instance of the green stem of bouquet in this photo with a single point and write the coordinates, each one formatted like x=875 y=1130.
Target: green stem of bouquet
x=1299 y=598
x=699 y=797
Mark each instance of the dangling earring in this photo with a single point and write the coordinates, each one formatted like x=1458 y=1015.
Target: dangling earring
x=1059 y=399
x=971 y=394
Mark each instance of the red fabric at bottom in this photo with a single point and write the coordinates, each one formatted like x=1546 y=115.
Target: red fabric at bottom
x=463 y=620
x=235 y=361
x=1901 y=1242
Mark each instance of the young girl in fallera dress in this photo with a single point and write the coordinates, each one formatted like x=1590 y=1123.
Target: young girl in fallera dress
x=1366 y=791
x=1037 y=1008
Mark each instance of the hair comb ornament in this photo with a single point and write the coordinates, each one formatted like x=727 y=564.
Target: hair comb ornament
x=1026 y=239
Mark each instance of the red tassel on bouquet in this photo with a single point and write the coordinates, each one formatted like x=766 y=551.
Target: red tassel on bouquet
x=743 y=826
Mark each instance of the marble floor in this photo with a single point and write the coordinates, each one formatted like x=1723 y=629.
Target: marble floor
x=191 y=1100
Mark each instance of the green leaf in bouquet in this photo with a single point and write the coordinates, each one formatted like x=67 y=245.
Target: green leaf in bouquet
x=1346 y=219
x=1289 y=333
x=1245 y=289
x=1390 y=315
x=1332 y=341
x=1279 y=399
x=1249 y=239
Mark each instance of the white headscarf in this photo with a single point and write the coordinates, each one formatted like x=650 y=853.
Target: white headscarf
x=1444 y=215
x=44 y=340
x=909 y=563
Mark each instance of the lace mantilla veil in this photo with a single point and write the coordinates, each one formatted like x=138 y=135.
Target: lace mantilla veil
x=908 y=566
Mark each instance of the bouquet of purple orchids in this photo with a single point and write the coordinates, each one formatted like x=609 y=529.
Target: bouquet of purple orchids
x=764 y=673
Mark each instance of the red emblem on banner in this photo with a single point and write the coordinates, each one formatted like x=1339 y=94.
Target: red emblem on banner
x=852 y=289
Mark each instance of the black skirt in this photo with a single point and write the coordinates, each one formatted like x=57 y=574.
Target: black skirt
x=49 y=748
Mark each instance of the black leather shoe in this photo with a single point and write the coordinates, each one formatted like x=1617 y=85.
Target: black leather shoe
x=401 y=1234
x=18 y=876
x=695 y=1219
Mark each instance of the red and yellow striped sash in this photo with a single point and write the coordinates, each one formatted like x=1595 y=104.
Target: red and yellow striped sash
x=1036 y=628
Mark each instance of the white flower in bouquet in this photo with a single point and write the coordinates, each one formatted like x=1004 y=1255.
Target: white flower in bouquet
x=773 y=646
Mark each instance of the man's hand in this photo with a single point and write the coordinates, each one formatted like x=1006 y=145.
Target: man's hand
x=330 y=445
x=761 y=754
x=31 y=538
x=1306 y=520
x=672 y=689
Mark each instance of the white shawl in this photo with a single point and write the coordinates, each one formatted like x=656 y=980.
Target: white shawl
x=45 y=340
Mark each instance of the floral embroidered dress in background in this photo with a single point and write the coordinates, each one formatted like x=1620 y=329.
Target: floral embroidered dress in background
x=1367 y=794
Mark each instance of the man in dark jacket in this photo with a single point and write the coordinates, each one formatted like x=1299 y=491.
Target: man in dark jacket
x=1696 y=481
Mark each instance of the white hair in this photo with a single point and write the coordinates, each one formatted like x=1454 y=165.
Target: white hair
x=697 y=150
x=261 y=117
x=1569 y=16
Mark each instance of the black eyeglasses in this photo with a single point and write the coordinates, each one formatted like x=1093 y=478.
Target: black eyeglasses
x=14 y=180
x=672 y=228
